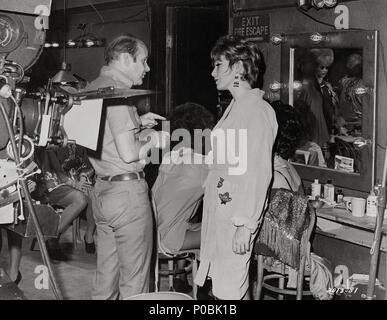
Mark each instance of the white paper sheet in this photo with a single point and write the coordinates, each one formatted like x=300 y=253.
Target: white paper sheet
x=6 y=214
x=82 y=123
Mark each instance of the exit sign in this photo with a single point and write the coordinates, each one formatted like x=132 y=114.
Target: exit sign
x=253 y=27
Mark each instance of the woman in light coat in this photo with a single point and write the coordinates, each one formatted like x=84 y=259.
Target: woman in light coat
x=239 y=177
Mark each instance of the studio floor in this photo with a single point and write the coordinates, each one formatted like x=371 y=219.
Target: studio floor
x=74 y=277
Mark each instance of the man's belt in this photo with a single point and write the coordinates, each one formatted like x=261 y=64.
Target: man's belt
x=125 y=176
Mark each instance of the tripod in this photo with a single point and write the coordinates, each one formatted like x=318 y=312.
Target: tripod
x=25 y=191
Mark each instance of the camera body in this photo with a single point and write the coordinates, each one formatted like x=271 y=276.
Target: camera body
x=23 y=27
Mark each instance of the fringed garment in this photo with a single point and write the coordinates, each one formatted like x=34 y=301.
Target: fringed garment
x=283 y=227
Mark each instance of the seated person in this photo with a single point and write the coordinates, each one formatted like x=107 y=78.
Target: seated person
x=178 y=189
x=285 y=176
x=59 y=189
x=289 y=135
x=83 y=176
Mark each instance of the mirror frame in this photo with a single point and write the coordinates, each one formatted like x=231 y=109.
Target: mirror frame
x=368 y=41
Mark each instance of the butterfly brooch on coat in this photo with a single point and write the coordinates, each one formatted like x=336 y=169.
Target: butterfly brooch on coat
x=224 y=198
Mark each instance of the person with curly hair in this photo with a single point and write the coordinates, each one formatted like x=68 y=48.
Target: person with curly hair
x=351 y=104
x=178 y=190
x=235 y=195
x=58 y=185
x=289 y=136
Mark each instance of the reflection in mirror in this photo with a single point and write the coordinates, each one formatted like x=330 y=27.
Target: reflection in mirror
x=330 y=100
x=332 y=82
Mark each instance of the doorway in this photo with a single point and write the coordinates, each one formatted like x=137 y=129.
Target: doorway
x=191 y=32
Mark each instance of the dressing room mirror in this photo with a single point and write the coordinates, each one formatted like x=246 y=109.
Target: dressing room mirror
x=331 y=78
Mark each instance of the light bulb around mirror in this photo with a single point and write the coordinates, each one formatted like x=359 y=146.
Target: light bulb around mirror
x=316 y=37
x=318 y=3
x=275 y=86
x=89 y=43
x=71 y=43
x=55 y=44
x=297 y=85
x=330 y=3
x=361 y=90
x=277 y=39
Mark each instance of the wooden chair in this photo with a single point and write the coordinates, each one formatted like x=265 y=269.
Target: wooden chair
x=172 y=271
x=279 y=268
x=76 y=230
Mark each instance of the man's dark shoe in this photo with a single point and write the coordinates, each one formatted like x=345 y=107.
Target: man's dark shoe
x=18 y=278
x=205 y=292
x=54 y=250
x=182 y=286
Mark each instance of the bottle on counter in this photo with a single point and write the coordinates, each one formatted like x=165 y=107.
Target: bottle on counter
x=329 y=191
x=372 y=204
x=316 y=190
x=339 y=196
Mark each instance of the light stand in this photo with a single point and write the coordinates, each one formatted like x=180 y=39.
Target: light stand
x=30 y=206
x=375 y=250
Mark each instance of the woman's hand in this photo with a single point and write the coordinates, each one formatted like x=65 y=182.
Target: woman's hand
x=83 y=186
x=241 y=240
x=148 y=120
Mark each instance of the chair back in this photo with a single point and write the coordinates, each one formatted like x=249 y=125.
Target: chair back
x=162 y=253
x=287 y=226
x=160 y=249
x=158 y=236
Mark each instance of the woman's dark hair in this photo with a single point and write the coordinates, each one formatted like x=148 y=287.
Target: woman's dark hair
x=307 y=118
x=290 y=130
x=190 y=116
x=235 y=49
x=121 y=44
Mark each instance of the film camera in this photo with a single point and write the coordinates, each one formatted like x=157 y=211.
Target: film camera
x=29 y=119
x=22 y=38
x=23 y=116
